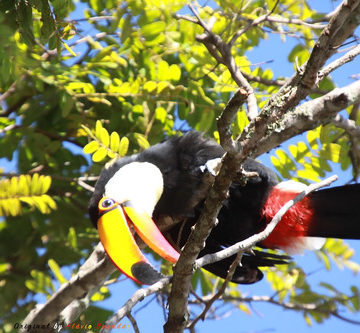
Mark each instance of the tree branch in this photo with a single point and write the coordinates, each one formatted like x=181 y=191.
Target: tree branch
x=138 y=296
x=292 y=306
x=248 y=143
x=219 y=293
x=254 y=23
x=348 y=125
x=227 y=117
x=349 y=56
x=222 y=53
x=307 y=116
x=91 y=274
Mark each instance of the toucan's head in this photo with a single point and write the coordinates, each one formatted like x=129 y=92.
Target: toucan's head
x=129 y=197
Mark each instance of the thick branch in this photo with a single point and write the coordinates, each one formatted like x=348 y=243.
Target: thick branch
x=308 y=116
x=248 y=144
x=348 y=125
x=91 y=274
x=184 y=268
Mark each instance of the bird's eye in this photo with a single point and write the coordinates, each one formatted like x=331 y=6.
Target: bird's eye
x=107 y=203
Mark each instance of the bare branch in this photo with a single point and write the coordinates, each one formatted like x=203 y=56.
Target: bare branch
x=138 y=296
x=307 y=116
x=341 y=26
x=279 y=19
x=134 y=323
x=348 y=125
x=8 y=92
x=248 y=142
x=254 y=23
x=220 y=292
x=186 y=18
x=227 y=117
x=91 y=274
x=200 y=21
x=349 y=56
x=222 y=53
x=86 y=186
x=292 y=306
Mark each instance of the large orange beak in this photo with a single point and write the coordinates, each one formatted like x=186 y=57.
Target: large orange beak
x=116 y=236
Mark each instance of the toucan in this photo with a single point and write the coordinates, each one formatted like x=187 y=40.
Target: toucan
x=158 y=195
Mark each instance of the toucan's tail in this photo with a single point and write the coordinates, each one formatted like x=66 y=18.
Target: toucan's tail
x=333 y=212
x=336 y=212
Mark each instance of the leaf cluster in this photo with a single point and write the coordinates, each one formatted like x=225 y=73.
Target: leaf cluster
x=26 y=189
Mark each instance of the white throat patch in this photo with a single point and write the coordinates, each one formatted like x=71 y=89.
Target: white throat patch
x=138 y=182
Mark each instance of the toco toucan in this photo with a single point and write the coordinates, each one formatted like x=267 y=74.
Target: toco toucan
x=168 y=182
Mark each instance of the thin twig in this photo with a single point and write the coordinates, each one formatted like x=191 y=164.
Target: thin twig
x=349 y=56
x=133 y=322
x=279 y=19
x=222 y=53
x=254 y=23
x=138 y=296
x=220 y=292
x=86 y=186
x=292 y=306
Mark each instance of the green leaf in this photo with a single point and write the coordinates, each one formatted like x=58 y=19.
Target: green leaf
x=72 y=238
x=40 y=283
x=69 y=49
x=124 y=146
x=114 y=141
x=55 y=268
x=153 y=29
x=142 y=141
x=99 y=155
x=104 y=137
x=150 y=86
x=91 y=147
x=331 y=151
x=46 y=183
x=66 y=104
x=163 y=71
x=161 y=114
x=174 y=72
x=98 y=128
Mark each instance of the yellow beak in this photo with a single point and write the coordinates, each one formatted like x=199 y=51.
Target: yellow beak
x=119 y=243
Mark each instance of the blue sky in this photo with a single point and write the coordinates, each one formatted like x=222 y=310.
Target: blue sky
x=265 y=317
